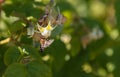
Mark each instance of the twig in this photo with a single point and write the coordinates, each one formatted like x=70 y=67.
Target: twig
x=5 y=41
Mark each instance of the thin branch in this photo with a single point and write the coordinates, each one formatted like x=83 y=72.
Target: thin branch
x=5 y=41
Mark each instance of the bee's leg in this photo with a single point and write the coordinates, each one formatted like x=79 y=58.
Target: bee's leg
x=41 y=49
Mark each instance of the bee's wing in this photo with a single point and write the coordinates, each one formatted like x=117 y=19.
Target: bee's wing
x=48 y=43
x=45 y=44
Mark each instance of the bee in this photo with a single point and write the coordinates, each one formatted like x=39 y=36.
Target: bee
x=44 y=43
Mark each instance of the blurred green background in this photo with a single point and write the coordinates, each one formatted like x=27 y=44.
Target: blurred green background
x=87 y=46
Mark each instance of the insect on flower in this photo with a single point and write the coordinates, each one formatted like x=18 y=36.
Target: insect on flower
x=44 y=43
x=45 y=25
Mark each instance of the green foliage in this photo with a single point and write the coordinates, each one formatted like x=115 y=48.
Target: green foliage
x=15 y=70
x=38 y=70
x=86 y=45
x=31 y=69
x=57 y=30
x=58 y=52
x=11 y=55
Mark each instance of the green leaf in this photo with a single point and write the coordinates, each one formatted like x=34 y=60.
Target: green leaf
x=11 y=55
x=117 y=8
x=8 y=9
x=64 y=5
x=26 y=40
x=23 y=8
x=115 y=61
x=57 y=30
x=36 y=69
x=15 y=70
x=16 y=26
x=57 y=51
x=32 y=52
x=3 y=48
x=73 y=67
x=75 y=46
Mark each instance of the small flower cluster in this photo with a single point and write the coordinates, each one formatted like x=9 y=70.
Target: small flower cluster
x=45 y=25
